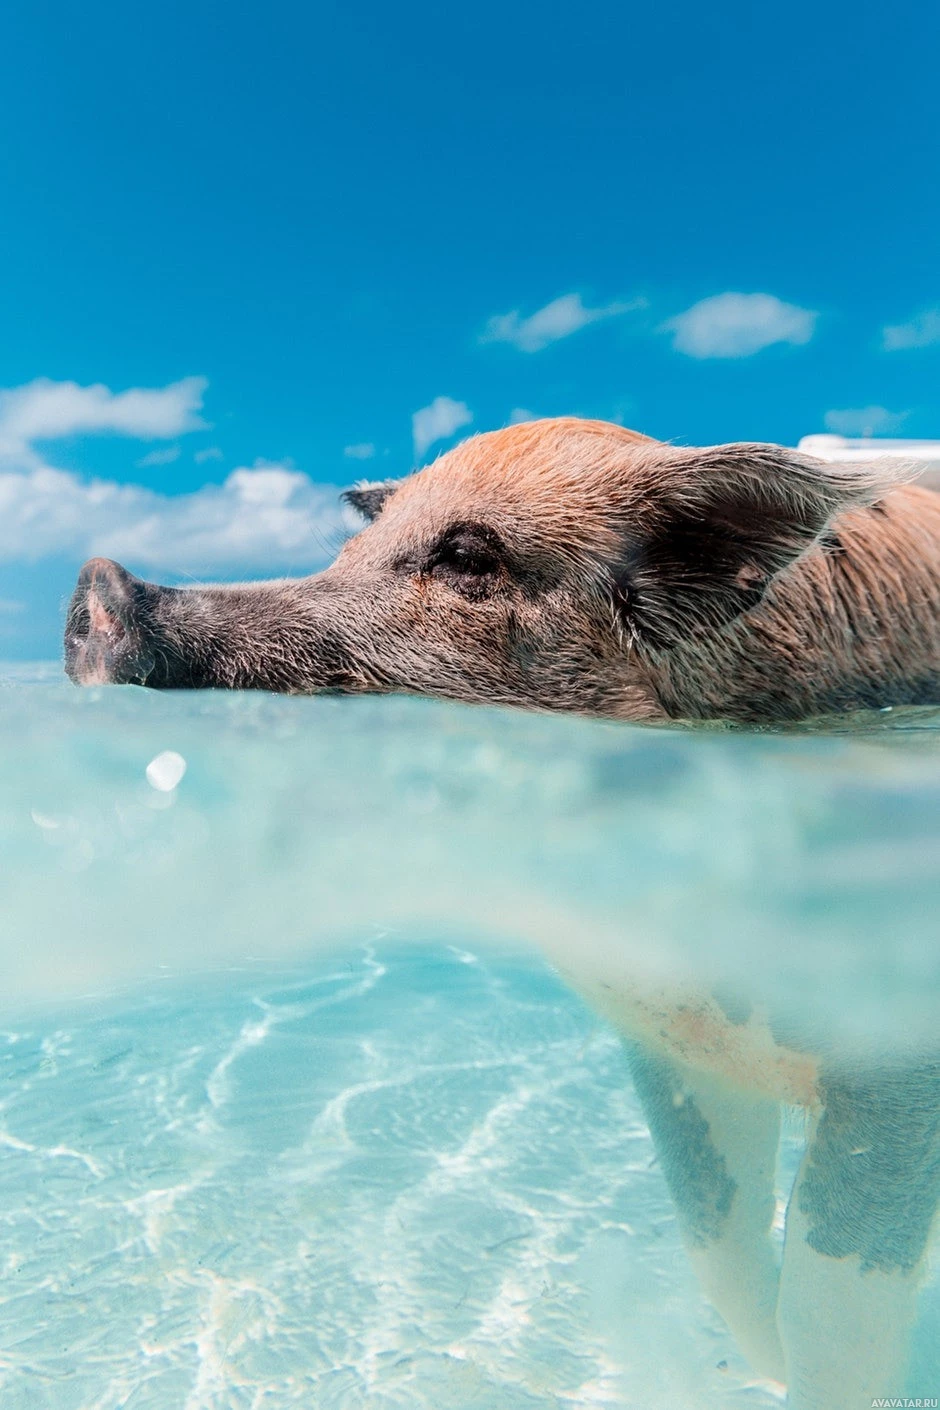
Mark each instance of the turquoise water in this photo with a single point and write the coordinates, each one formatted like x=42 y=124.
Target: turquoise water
x=293 y=1110
x=388 y=1181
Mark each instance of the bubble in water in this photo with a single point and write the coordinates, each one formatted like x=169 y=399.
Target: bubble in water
x=166 y=770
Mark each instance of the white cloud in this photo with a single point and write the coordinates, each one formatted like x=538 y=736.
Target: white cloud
x=920 y=332
x=210 y=453
x=520 y=414
x=365 y=450
x=159 y=457
x=266 y=516
x=737 y=325
x=557 y=319
x=46 y=410
x=865 y=421
x=438 y=421
x=10 y=607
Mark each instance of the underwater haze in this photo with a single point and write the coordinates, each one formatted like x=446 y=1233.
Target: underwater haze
x=294 y=1109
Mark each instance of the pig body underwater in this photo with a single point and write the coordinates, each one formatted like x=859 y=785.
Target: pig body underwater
x=573 y=565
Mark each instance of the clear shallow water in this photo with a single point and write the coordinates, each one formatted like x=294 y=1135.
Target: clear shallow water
x=290 y=1115
x=396 y=1180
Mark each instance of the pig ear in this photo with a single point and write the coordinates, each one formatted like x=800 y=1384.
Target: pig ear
x=713 y=527
x=368 y=500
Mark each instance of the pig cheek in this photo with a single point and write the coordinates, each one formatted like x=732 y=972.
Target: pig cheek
x=461 y=636
x=435 y=612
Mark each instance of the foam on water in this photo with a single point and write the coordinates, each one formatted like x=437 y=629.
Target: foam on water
x=292 y=1111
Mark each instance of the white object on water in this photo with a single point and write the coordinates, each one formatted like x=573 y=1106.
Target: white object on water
x=865 y=448
x=166 y=771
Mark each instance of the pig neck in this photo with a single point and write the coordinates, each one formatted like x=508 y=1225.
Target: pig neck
x=852 y=624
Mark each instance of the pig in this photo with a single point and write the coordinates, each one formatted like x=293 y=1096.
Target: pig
x=573 y=565
x=577 y=566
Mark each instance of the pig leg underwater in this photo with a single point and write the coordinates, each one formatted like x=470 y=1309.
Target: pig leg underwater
x=858 y=1227
x=835 y=1325
x=717 y=1148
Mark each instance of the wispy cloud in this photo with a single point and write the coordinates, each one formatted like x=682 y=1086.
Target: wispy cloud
x=557 y=319
x=520 y=414
x=263 y=516
x=209 y=453
x=364 y=450
x=45 y=410
x=920 y=332
x=738 y=325
x=437 y=422
x=865 y=421
x=165 y=456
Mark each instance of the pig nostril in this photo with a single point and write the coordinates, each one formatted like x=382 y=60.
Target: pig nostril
x=102 y=619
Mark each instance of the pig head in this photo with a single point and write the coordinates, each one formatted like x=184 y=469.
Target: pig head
x=572 y=565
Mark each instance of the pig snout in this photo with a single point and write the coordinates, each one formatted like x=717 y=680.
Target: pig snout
x=105 y=633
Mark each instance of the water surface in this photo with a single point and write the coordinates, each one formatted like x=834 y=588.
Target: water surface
x=293 y=1110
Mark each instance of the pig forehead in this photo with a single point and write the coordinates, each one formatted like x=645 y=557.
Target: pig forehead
x=560 y=484
x=421 y=511
x=529 y=484
x=534 y=459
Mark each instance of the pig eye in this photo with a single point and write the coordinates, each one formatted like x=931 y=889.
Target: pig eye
x=469 y=559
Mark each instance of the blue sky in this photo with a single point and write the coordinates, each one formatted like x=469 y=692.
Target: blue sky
x=250 y=253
